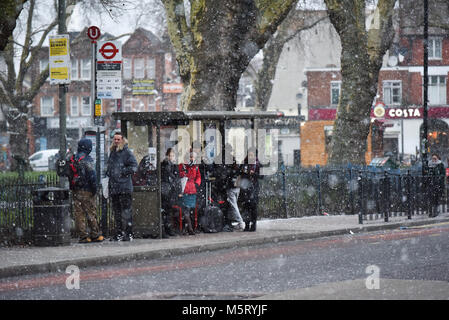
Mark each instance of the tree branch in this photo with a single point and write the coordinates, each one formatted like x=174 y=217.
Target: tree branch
x=270 y=14
x=180 y=34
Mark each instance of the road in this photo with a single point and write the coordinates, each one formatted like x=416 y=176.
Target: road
x=408 y=263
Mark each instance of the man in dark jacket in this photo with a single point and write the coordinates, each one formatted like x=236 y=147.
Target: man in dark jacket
x=84 y=187
x=120 y=168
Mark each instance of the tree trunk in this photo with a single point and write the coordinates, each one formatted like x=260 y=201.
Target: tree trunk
x=9 y=11
x=361 y=60
x=18 y=138
x=215 y=48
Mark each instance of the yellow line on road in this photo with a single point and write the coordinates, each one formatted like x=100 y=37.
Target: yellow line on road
x=429 y=225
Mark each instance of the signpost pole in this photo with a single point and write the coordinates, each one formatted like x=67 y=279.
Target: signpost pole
x=64 y=182
x=425 y=143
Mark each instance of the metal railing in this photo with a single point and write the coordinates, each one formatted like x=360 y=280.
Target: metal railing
x=16 y=204
x=370 y=194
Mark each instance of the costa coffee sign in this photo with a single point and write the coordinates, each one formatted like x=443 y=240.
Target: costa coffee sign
x=380 y=111
x=404 y=113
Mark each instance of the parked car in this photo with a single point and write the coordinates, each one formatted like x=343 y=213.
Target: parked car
x=39 y=160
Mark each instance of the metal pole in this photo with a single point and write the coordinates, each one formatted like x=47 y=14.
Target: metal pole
x=158 y=159
x=426 y=81
x=64 y=181
x=93 y=96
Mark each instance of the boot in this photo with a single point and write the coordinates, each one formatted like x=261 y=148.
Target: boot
x=188 y=224
x=253 y=226
x=246 y=226
x=169 y=231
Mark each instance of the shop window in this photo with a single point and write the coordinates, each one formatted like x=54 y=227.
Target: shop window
x=139 y=68
x=47 y=108
x=392 y=93
x=151 y=68
x=127 y=72
x=437 y=90
x=335 y=92
x=85 y=69
x=86 y=108
x=74 y=106
x=435 y=45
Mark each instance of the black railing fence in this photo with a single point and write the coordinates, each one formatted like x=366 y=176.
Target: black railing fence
x=16 y=204
x=371 y=193
x=365 y=192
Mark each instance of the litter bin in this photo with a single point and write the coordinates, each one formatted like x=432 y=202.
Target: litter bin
x=51 y=214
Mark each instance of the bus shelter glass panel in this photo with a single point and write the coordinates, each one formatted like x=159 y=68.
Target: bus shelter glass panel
x=140 y=143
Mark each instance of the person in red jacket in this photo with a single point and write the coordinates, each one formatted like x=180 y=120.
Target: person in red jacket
x=190 y=171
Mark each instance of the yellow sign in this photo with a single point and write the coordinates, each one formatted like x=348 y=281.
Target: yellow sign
x=97 y=109
x=59 y=73
x=59 y=62
x=58 y=47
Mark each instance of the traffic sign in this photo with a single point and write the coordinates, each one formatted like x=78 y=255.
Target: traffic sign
x=93 y=33
x=108 y=50
x=109 y=70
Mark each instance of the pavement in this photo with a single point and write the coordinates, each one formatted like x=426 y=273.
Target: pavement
x=17 y=261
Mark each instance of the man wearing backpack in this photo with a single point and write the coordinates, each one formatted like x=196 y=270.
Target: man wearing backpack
x=82 y=178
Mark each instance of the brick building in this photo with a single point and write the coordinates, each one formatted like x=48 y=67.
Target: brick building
x=148 y=68
x=397 y=122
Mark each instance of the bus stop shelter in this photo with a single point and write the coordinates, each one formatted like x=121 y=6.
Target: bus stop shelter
x=149 y=134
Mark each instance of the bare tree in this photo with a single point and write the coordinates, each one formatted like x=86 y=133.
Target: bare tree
x=14 y=94
x=215 y=46
x=295 y=22
x=361 y=60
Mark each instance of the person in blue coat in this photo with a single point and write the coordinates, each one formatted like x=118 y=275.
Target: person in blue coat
x=120 y=168
x=83 y=183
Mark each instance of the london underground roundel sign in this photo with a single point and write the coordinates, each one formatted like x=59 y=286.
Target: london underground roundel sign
x=108 y=50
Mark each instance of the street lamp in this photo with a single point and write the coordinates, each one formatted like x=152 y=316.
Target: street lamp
x=424 y=140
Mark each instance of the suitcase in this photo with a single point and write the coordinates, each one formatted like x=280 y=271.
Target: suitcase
x=212 y=219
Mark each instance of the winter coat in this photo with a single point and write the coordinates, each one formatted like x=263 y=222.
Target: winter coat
x=249 y=181
x=225 y=178
x=438 y=173
x=145 y=174
x=170 y=183
x=192 y=172
x=120 y=168
x=89 y=180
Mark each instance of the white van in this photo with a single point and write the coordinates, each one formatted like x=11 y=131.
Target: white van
x=39 y=160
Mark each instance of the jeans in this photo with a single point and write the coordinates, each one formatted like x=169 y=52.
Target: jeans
x=233 y=195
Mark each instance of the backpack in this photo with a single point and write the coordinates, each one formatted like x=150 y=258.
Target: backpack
x=77 y=172
x=212 y=219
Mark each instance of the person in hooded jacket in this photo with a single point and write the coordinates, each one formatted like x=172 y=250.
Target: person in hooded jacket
x=437 y=184
x=170 y=191
x=83 y=194
x=192 y=172
x=120 y=168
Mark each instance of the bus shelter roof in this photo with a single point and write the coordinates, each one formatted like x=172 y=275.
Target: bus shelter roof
x=180 y=117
